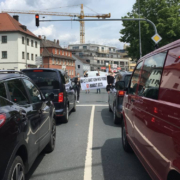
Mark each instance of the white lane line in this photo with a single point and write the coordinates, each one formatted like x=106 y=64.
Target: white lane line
x=92 y=105
x=88 y=160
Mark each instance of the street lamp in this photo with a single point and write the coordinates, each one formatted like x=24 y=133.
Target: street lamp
x=42 y=51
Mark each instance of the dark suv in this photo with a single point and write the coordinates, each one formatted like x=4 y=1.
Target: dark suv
x=116 y=96
x=27 y=124
x=55 y=81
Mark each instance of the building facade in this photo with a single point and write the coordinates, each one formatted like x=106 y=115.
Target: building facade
x=100 y=56
x=18 y=46
x=54 y=56
x=81 y=65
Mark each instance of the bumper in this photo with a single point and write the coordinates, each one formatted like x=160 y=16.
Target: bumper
x=60 y=112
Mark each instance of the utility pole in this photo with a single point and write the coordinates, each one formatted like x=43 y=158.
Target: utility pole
x=140 y=46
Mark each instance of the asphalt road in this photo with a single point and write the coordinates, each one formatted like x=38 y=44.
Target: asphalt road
x=88 y=147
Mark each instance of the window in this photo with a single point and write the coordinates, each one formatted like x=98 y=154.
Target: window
x=4 y=54
x=60 y=62
x=84 y=47
x=76 y=47
x=98 y=61
x=55 y=51
x=134 y=79
x=63 y=62
x=122 y=63
x=56 y=61
x=36 y=56
x=72 y=72
x=62 y=52
x=27 y=56
x=17 y=92
x=69 y=72
x=34 y=93
x=22 y=40
x=35 y=44
x=32 y=57
x=53 y=61
x=66 y=53
x=32 y=43
x=79 y=66
x=59 y=52
x=151 y=76
x=2 y=90
x=22 y=55
x=28 y=42
x=4 y=39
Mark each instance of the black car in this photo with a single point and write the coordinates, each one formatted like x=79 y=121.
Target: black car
x=55 y=81
x=116 y=96
x=27 y=124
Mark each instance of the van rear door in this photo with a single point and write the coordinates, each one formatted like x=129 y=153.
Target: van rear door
x=48 y=81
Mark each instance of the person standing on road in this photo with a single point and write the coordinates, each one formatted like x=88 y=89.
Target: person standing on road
x=110 y=81
x=98 y=74
x=77 y=86
x=86 y=75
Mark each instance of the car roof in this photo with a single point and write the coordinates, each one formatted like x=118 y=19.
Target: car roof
x=47 y=69
x=10 y=74
x=162 y=49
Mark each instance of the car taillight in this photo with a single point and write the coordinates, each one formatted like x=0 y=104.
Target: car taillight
x=38 y=70
x=2 y=119
x=61 y=97
x=121 y=93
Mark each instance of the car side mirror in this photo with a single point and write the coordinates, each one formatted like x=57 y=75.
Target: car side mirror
x=50 y=96
x=120 y=85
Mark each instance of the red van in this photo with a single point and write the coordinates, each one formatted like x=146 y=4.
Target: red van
x=151 y=113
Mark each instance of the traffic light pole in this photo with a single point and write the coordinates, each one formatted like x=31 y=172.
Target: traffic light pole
x=124 y=19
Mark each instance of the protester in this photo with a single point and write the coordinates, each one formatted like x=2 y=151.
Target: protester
x=110 y=81
x=77 y=86
x=98 y=74
x=86 y=75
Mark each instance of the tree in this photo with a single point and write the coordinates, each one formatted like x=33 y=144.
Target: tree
x=165 y=15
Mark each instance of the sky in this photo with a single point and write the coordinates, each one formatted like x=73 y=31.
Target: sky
x=105 y=33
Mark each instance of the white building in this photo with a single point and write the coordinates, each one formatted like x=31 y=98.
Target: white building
x=18 y=46
x=100 y=56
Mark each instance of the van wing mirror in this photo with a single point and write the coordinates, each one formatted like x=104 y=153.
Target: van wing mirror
x=120 y=85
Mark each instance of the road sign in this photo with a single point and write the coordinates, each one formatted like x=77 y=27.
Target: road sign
x=156 y=38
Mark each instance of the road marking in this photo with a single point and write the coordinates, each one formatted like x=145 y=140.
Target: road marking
x=88 y=160
x=92 y=105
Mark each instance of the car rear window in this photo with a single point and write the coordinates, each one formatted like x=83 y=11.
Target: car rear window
x=44 y=79
x=127 y=79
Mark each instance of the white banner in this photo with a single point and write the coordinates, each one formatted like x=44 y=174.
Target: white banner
x=97 y=82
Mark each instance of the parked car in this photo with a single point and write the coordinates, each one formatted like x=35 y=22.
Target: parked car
x=151 y=112
x=116 y=96
x=58 y=82
x=27 y=124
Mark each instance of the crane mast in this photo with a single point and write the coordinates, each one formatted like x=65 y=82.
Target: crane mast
x=80 y=16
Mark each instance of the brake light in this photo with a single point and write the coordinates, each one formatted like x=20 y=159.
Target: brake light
x=61 y=97
x=121 y=93
x=2 y=119
x=38 y=70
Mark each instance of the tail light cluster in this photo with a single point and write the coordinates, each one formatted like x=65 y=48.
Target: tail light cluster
x=61 y=97
x=121 y=93
x=2 y=119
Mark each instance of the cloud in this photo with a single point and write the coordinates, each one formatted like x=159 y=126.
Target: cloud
x=106 y=33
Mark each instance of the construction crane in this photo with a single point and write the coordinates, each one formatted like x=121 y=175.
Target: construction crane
x=80 y=16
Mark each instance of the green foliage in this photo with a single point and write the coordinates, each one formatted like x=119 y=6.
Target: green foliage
x=165 y=15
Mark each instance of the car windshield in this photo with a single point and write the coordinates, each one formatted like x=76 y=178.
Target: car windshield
x=126 y=79
x=45 y=79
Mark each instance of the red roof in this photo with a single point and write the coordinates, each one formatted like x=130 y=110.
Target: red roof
x=9 y=24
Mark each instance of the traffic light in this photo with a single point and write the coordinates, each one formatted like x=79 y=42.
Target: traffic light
x=37 y=20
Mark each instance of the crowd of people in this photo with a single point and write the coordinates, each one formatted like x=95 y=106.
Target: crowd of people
x=110 y=82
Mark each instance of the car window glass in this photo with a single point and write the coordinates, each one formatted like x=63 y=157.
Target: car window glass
x=44 y=79
x=17 y=92
x=151 y=76
x=2 y=90
x=35 y=95
x=62 y=78
x=135 y=79
x=127 y=79
x=4 y=102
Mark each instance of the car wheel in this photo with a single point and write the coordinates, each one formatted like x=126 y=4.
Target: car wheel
x=125 y=142
x=66 y=116
x=74 y=108
x=51 y=145
x=115 y=118
x=16 y=170
x=110 y=108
